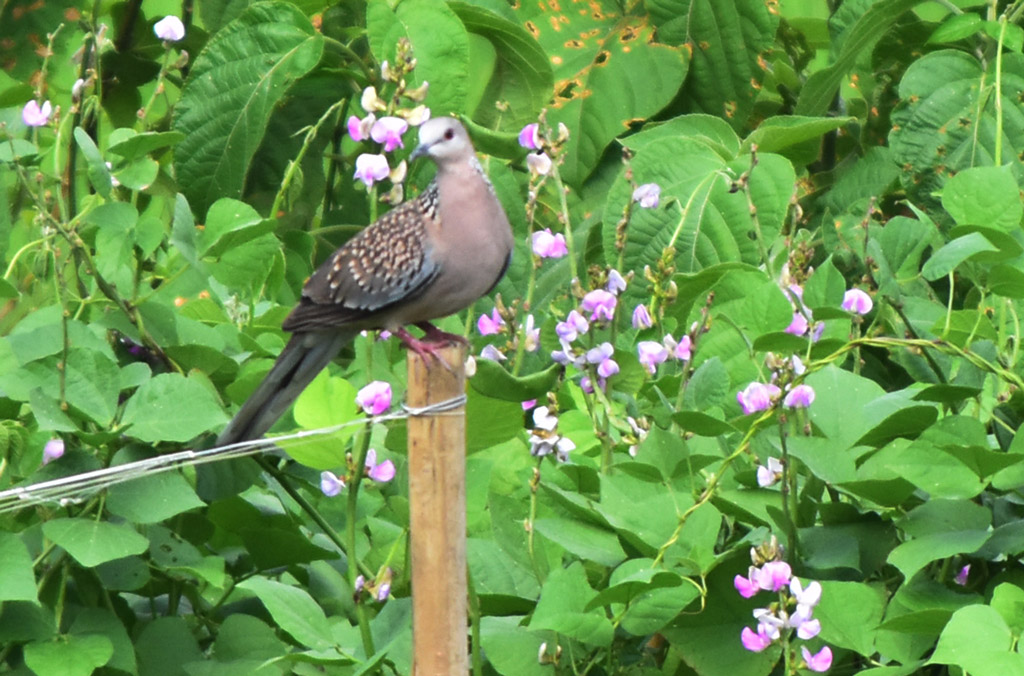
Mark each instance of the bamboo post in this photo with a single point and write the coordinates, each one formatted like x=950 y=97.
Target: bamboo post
x=437 y=516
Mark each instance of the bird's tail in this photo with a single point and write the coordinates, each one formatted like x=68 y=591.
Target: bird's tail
x=305 y=355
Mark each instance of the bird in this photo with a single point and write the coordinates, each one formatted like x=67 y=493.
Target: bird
x=427 y=258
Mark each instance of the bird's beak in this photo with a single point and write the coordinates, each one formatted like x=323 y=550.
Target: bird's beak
x=422 y=150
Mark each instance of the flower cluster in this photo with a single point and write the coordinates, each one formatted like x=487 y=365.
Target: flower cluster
x=651 y=352
x=545 y=440
x=331 y=484
x=545 y=244
x=388 y=129
x=539 y=161
x=792 y=612
x=375 y=398
x=378 y=589
x=494 y=323
x=756 y=397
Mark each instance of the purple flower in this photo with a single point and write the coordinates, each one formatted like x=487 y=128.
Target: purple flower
x=598 y=354
x=773 y=575
x=375 y=398
x=857 y=301
x=616 y=284
x=53 y=449
x=960 y=579
x=681 y=350
x=574 y=326
x=607 y=368
x=745 y=586
x=757 y=397
x=587 y=385
x=818 y=662
x=169 y=28
x=651 y=353
x=389 y=130
x=539 y=164
x=381 y=472
x=331 y=484
x=806 y=629
x=383 y=591
x=600 y=304
x=756 y=642
x=360 y=583
x=371 y=168
x=648 y=195
x=548 y=245
x=358 y=129
x=798 y=326
x=492 y=353
x=489 y=325
x=768 y=474
x=529 y=137
x=808 y=597
x=642 y=318
x=35 y=116
x=800 y=396
x=528 y=404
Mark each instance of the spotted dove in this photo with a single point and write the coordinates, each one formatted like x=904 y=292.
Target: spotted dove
x=427 y=258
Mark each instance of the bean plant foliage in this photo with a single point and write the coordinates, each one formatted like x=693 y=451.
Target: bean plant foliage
x=746 y=401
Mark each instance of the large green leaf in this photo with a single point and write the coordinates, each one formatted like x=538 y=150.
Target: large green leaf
x=727 y=39
x=235 y=83
x=522 y=75
x=439 y=41
x=609 y=74
x=94 y=542
x=171 y=407
x=948 y=118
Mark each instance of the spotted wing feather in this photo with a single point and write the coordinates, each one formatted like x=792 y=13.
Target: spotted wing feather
x=385 y=264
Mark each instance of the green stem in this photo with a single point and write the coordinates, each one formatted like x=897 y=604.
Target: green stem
x=355 y=478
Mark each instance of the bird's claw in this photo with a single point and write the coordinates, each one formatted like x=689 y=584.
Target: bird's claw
x=430 y=347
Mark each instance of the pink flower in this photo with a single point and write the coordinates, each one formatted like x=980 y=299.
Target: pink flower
x=169 y=28
x=681 y=350
x=489 y=325
x=755 y=642
x=600 y=304
x=768 y=475
x=548 y=245
x=798 y=326
x=539 y=164
x=331 y=484
x=800 y=396
x=806 y=629
x=607 y=368
x=648 y=195
x=745 y=586
x=808 y=597
x=857 y=302
x=358 y=129
x=375 y=398
x=598 y=354
x=53 y=449
x=574 y=326
x=35 y=116
x=528 y=404
x=651 y=353
x=960 y=579
x=389 y=130
x=773 y=575
x=642 y=318
x=818 y=662
x=531 y=335
x=529 y=137
x=381 y=472
x=757 y=397
x=371 y=168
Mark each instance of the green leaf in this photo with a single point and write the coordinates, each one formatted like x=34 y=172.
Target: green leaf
x=562 y=608
x=439 y=41
x=294 y=610
x=491 y=379
x=907 y=422
x=69 y=655
x=1008 y=601
x=849 y=613
x=783 y=131
x=631 y=579
x=232 y=88
x=521 y=76
x=17 y=581
x=94 y=542
x=946 y=259
x=955 y=28
x=986 y=196
x=826 y=286
x=230 y=223
x=726 y=38
x=512 y=648
x=978 y=640
x=326 y=402
x=702 y=424
x=97 y=170
x=913 y=555
x=171 y=407
x=141 y=145
x=585 y=540
x=817 y=94
x=151 y=499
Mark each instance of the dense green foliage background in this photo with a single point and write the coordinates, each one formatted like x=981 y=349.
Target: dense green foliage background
x=156 y=227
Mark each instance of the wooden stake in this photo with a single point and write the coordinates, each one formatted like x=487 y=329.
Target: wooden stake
x=437 y=514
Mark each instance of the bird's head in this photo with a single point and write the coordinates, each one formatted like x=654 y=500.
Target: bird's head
x=443 y=139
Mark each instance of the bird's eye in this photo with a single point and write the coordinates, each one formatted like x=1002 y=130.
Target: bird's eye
x=449 y=134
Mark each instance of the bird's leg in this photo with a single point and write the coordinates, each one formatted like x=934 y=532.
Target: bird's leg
x=435 y=335
x=426 y=349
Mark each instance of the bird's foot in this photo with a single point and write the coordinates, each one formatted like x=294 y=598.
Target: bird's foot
x=427 y=349
x=435 y=335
